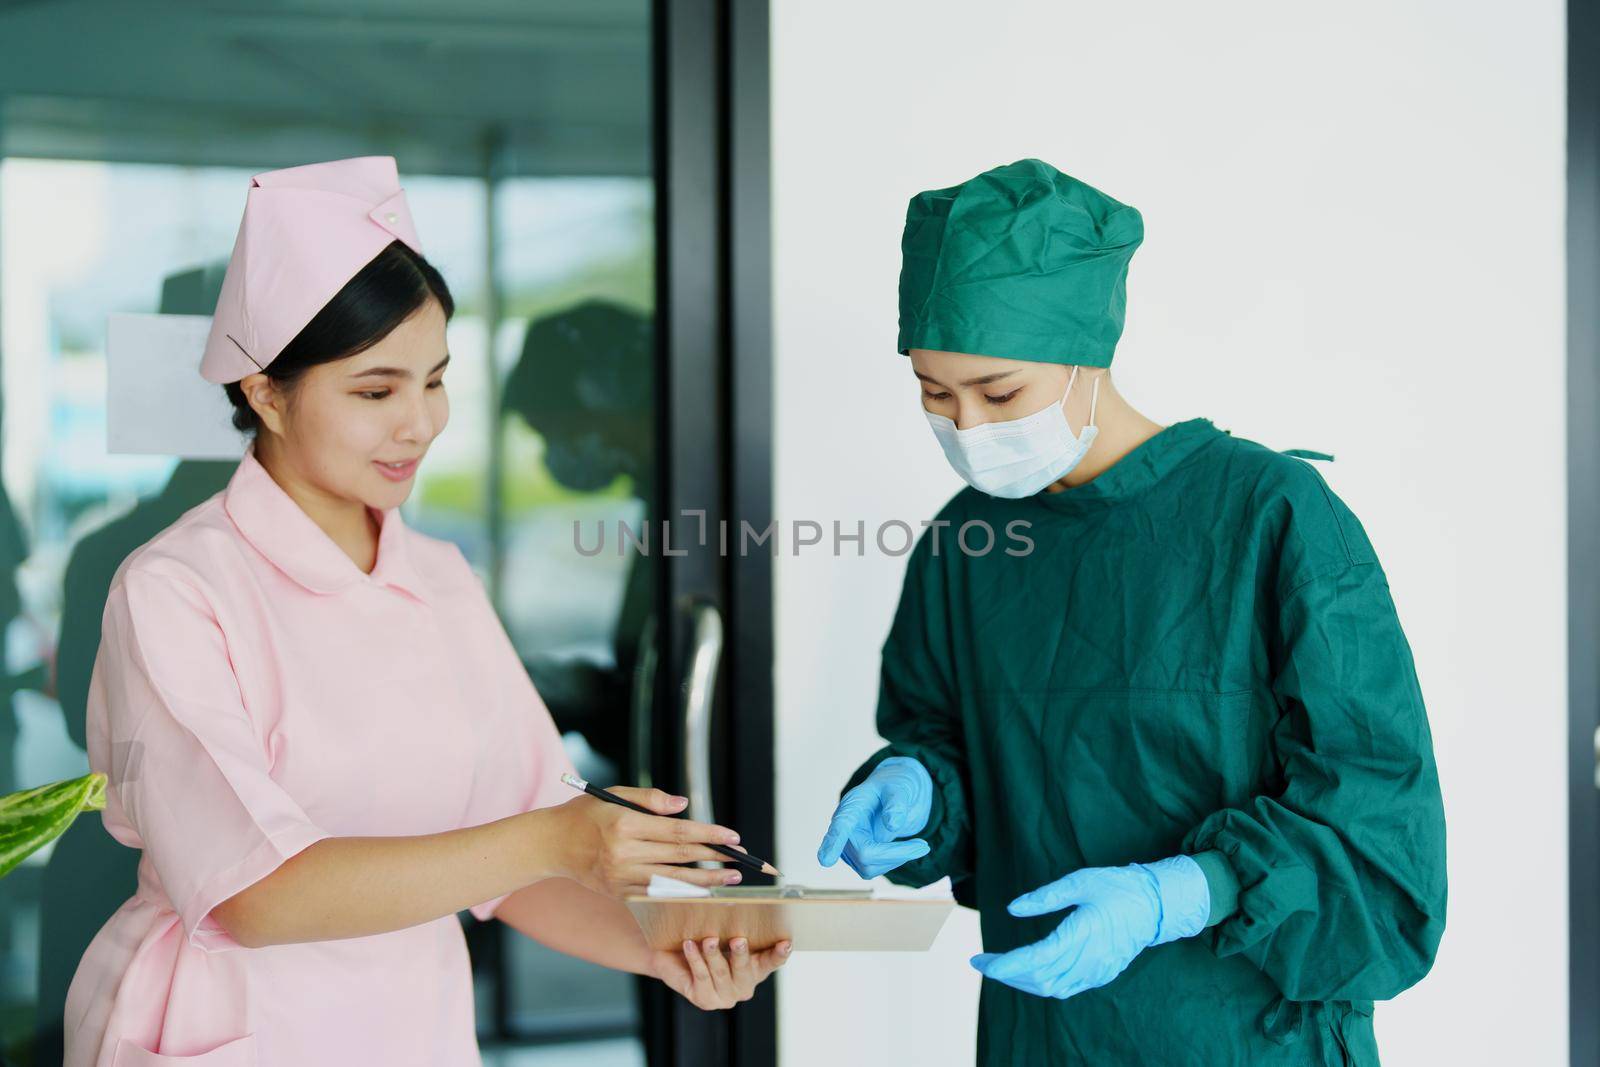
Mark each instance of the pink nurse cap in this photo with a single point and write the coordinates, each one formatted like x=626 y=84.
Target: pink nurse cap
x=306 y=232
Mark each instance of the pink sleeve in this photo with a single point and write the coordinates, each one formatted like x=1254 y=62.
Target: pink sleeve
x=188 y=774
x=543 y=757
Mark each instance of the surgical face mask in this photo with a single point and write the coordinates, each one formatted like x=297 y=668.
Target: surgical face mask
x=1017 y=458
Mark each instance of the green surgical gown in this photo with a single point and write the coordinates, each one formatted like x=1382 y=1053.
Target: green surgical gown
x=1195 y=652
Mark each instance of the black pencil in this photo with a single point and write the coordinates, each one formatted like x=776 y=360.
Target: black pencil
x=744 y=859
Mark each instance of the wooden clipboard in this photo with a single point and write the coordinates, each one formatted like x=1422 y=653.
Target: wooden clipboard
x=813 y=924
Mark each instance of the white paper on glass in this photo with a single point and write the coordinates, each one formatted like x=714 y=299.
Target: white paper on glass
x=156 y=402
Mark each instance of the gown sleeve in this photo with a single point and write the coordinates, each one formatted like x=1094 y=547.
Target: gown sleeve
x=1335 y=886
x=919 y=716
x=189 y=781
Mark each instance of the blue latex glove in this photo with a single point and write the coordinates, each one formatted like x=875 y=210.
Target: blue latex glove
x=1117 y=913
x=893 y=802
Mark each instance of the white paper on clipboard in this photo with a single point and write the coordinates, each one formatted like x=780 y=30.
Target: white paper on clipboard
x=156 y=402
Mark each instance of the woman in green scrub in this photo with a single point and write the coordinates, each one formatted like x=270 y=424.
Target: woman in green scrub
x=1166 y=736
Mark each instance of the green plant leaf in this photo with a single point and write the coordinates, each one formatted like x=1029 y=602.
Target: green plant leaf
x=35 y=816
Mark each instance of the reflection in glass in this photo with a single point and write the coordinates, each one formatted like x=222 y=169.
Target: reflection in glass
x=583 y=385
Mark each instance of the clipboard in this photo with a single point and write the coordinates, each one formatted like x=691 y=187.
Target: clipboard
x=815 y=920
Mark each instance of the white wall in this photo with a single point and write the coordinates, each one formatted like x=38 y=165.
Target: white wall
x=1354 y=244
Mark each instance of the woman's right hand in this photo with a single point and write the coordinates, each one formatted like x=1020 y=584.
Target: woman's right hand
x=612 y=850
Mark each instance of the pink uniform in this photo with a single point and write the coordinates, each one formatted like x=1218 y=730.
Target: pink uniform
x=255 y=692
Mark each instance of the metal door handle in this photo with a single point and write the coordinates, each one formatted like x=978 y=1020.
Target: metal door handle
x=699 y=688
x=1597 y=757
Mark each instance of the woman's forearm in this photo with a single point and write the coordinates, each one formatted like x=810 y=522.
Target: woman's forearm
x=567 y=917
x=357 y=886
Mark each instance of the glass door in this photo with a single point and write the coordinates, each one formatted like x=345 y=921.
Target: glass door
x=525 y=135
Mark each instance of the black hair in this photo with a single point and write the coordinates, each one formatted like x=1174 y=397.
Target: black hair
x=396 y=284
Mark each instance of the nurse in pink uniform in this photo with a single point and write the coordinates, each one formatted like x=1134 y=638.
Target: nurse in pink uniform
x=314 y=725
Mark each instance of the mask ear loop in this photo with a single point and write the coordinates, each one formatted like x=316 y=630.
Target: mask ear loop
x=1094 y=396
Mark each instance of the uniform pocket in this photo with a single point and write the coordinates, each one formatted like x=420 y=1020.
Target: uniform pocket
x=240 y=1052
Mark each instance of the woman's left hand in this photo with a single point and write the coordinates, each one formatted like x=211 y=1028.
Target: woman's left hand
x=1117 y=913
x=713 y=979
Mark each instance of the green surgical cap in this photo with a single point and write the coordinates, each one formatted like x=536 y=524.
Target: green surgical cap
x=1022 y=262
